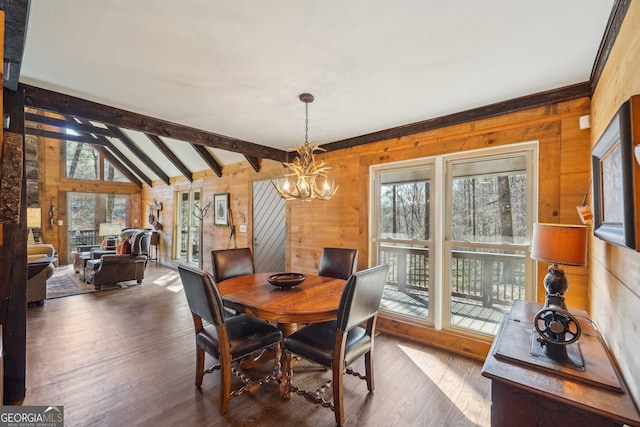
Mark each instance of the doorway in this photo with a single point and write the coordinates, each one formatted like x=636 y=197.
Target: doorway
x=269 y=228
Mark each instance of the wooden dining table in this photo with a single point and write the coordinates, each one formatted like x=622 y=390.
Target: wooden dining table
x=314 y=300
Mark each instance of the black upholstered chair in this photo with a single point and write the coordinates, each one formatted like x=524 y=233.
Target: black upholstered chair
x=336 y=344
x=228 y=263
x=228 y=340
x=338 y=262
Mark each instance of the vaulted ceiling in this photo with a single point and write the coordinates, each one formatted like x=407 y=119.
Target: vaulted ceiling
x=203 y=84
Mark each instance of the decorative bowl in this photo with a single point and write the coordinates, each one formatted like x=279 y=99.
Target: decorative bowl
x=286 y=280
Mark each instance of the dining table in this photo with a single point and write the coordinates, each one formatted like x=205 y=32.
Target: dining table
x=315 y=299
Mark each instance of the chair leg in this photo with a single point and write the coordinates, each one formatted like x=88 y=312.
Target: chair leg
x=368 y=366
x=337 y=393
x=199 y=366
x=225 y=383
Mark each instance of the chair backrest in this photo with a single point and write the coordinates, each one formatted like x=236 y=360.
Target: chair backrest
x=140 y=241
x=202 y=295
x=228 y=263
x=361 y=296
x=338 y=262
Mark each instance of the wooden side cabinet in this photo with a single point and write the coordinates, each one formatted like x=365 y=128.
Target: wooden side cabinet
x=532 y=390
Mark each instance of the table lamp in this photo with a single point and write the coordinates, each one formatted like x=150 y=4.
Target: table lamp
x=109 y=231
x=555 y=327
x=559 y=244
x=34 y=220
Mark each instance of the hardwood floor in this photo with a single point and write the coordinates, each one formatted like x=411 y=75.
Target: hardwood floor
x=127 y=358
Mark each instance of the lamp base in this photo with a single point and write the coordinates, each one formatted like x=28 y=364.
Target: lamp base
x=555 y=282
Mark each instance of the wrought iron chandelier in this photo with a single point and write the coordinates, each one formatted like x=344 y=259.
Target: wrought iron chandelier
x=306 y=178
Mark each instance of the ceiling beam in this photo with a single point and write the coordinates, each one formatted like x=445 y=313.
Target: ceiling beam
x=140 y=154
x=254 y=162
x=62 y=136
x=67 y=124
x=66 y=104
x=566 y=93
x=171 y=156
x=16 y=17
x=116 y=164
x=618 y=12
x=208 y=158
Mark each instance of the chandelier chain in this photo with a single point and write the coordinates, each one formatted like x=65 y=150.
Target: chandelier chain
x=306 y=123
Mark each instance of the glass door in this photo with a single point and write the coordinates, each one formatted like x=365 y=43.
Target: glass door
x=403 y=238
x=188 y=228
x=86 y=211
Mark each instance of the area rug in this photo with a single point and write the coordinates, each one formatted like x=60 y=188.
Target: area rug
x=65 y=282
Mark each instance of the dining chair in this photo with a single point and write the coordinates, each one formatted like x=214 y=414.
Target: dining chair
x=229 y=340
x=338 y=262
x=338 y=343
x=228 y=263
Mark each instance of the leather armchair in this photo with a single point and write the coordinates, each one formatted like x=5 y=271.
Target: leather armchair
x=112 y=268
x=39 y=273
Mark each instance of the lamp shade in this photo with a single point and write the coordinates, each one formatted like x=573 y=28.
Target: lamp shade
x=559 y=244
x=108 y=229
x=34 y=217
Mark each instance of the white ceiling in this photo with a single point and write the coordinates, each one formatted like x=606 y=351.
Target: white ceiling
x=236 y=68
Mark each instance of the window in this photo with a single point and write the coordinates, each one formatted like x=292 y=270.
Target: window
x=84 y=162
x=88 y=210
x=455 y=231
x=187 y=239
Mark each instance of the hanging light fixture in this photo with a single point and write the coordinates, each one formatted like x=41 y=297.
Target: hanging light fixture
x=306 y=178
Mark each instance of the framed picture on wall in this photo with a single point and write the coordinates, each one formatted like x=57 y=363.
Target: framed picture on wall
x=614 y=175
x=221 y=209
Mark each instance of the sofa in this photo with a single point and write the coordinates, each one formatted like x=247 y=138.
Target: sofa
x=128 y=263
x=39 y=272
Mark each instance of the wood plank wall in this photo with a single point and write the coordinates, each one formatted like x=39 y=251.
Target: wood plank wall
x=614 y=283
x=343 y=221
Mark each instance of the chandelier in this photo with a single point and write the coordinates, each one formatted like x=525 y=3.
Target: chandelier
x=306 y=178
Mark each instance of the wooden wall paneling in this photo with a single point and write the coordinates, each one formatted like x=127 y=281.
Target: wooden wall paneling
x=614 y=282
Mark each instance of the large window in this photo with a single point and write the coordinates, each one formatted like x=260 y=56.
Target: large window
x=86 y=211
x=84 y=162
x=455 y=231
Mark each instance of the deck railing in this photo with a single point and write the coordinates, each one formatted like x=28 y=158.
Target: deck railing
x=82 y=237
x=492 y=278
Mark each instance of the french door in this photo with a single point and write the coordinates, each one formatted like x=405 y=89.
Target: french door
x=187 y=239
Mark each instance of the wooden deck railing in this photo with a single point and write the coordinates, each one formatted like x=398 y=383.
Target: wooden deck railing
x=82 y=237
x=481 y=276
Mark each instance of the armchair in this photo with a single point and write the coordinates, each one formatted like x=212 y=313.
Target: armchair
x=40 y=268
x=112 y=268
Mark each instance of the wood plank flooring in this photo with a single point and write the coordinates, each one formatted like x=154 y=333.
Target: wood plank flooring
x=127 y=358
